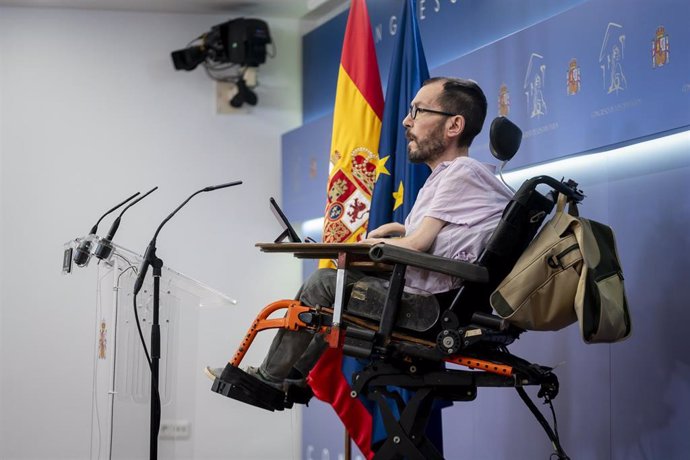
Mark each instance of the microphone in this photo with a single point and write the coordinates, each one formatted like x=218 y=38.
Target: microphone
x=83 y=251
x=105 y=247
x=216 y=187
x=150 y=253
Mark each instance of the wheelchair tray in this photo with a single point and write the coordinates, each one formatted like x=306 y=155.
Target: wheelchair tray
x=319 y=250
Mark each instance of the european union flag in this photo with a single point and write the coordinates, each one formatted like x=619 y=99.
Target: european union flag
x=398 y=180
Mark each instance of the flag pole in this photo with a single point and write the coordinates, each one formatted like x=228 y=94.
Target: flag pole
x=348 y=446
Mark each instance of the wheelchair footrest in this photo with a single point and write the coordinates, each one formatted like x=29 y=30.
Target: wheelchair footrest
x=237 y=384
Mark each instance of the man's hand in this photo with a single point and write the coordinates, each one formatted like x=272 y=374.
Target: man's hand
x=373 y=241
x=389 y=229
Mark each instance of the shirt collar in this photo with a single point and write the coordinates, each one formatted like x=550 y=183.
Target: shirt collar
x=441 y=166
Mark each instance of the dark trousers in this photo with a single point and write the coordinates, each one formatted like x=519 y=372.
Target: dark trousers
x=302 y=349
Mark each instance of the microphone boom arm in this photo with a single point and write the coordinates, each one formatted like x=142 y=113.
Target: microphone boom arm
x=116 y=222
x=94 y=229
x=150 y=254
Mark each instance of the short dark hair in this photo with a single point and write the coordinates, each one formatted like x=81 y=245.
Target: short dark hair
x=466 y=98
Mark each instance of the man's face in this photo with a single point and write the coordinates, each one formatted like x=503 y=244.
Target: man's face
x=426 y=133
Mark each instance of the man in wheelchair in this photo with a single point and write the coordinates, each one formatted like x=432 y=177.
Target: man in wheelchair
x=453 y=216
x=461 y=238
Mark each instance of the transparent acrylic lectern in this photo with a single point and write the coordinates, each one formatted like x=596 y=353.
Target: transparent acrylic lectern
x=122 y=378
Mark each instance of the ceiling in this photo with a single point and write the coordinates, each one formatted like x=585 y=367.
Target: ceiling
x=277 y=8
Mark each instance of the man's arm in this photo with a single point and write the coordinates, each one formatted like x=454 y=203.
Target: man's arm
x=389 y=229
x=419 y=240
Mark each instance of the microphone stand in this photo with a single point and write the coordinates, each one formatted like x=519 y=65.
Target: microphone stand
x=151 y=259
x=155 y=412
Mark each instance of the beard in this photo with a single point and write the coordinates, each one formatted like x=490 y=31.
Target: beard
x=429 y=148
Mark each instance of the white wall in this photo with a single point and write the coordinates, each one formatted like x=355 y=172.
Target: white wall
x=91 y=110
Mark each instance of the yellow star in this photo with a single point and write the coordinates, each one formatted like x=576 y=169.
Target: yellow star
x=381 y=167
x=398 y=196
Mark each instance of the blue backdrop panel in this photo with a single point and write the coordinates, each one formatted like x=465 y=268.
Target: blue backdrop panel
x=305 y=153
x=449 y=28
x=321 y=49
x=578 y=81
x=452 y=28
x=623 y=401
x=651 y=372
x=619 y=90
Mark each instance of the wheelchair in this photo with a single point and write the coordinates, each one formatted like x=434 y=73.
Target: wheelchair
x=464 y=331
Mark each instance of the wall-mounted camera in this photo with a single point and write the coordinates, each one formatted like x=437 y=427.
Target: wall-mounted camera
x=231 y=52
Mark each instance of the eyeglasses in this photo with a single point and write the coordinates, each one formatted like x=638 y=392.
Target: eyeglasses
x=414 y=110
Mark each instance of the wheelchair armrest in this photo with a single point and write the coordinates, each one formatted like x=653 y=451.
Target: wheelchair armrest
x=389 y=253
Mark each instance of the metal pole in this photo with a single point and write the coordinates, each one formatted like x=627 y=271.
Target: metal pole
x=155 y=358
x=348 y=446
x=111 y=393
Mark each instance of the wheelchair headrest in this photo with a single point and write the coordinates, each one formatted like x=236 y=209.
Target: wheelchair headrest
x=504 y=138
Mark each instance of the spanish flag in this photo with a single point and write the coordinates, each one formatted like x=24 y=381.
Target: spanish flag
x=354 y=156
x=356 y=132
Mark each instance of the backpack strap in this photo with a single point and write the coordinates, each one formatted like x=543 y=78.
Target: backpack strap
x=572 y=205
x=561 y=220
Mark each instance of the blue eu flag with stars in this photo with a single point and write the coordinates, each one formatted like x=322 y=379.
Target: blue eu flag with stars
x=398 y=180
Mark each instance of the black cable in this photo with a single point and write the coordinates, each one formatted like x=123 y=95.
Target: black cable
x=141 y=334
x=221 y=65
x=216 y=73
x=548 y=401
x=544 y=424
x=156 y=397
x=561 y=455
x=552 y=434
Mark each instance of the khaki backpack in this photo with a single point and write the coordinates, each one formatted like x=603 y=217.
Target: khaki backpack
x=569 y=272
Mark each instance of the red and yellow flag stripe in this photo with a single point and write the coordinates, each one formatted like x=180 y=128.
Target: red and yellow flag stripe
x=356 y=131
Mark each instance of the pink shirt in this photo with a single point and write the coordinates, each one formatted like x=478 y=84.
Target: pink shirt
x=470 y=199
